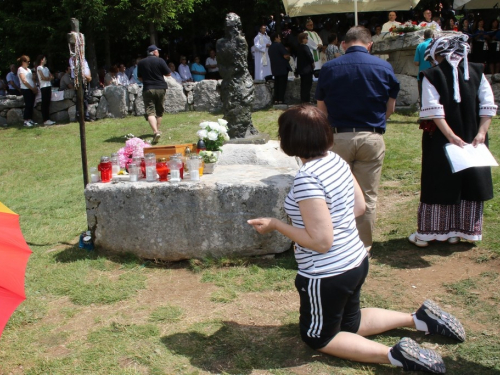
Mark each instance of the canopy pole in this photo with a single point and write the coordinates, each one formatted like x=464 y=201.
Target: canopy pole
x=355 y=12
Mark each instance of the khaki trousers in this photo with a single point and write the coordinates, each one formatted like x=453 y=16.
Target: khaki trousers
x=364 y=152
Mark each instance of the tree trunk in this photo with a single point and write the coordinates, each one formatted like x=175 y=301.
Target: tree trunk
x=152 y=33
x=107 y=50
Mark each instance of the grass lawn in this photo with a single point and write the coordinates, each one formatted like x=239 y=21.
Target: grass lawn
x=97 y=313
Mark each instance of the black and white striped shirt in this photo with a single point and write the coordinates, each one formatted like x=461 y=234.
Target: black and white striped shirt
x=328 y=178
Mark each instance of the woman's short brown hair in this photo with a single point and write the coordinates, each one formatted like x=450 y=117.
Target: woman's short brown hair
x=304 y=131
x=23 y=58
x=302 y=36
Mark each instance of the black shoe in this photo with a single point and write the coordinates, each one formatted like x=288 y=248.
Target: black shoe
x=439 y=321
x=415 y=358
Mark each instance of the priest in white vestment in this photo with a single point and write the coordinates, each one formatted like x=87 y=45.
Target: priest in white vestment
x=261 y=45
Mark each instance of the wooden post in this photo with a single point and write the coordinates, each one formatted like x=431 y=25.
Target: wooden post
x=75 y=27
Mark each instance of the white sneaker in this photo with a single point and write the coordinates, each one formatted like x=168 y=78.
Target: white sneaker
x=28 y=124
x=33 y=123
x=414 y=240
x=48 y=122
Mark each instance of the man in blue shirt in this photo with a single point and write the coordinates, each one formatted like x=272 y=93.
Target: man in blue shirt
x=358 y=93
x=419 y=57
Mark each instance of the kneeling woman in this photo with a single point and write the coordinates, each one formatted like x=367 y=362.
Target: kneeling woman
x=333 y=264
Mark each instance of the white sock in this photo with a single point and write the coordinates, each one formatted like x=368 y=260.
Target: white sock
x=393 y=361
x=420 y=325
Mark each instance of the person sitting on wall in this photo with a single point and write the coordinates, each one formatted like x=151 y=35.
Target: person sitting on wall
x=175 y=75
x=66 y=82
x=184 y=71
x=198 y=72
x=211 y=65
x=111 y=77
x=121 y=76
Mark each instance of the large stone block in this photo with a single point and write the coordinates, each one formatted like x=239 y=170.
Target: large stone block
x=402 y=62
x=14 y=116
x=116 y=97
x=61 y=105
x=11 y=101
x=92 y=111
x=175 y=100
x=134 y=88
x=191 y=220
x=72 y=113
x=139 y=105
x=102 y=108
x=3 y=121
x=206 y=96
x=61 y=117
x=262 y=97
x=408 y=93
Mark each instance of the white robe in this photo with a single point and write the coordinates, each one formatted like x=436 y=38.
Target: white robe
x=312 y=42
x=262 y=61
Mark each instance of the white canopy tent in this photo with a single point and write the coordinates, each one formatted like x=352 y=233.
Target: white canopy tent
x=476 y=4
x=296 y=8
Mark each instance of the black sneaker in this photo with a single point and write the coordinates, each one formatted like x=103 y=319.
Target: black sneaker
x=415 y=358
x=439 y=321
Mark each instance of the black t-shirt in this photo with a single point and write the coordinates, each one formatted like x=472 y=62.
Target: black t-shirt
x=151 y=70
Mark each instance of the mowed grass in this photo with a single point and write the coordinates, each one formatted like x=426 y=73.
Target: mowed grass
x=97 y=313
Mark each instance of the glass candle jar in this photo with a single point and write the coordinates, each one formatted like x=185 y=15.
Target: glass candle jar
x=200 y=146
x=115 y=164
x=182 y=159
x=105 y=168
x=150 y=163
x=194 y=165
x=162 y=169
x=133 y=172
x=175 y=165
x=94 y=174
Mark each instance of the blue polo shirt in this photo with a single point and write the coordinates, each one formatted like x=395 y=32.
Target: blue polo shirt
x=419 y=56
x=356 y=88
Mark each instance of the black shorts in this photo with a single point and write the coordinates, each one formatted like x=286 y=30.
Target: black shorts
x=330 y=305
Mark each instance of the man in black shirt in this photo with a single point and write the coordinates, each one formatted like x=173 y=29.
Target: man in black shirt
x=151 y=72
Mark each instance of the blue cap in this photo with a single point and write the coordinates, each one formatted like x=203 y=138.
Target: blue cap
x=152 y=48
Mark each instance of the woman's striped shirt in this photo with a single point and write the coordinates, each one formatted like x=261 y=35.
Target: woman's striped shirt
x=328 y=178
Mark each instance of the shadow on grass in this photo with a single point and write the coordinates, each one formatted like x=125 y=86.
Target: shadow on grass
x=399 y=253
x=241 y=349
x=122 y=139
x=74 y=254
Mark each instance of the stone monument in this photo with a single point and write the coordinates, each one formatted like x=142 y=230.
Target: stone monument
x=237 y=90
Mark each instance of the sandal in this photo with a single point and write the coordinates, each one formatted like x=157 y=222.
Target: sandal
x=453 y=240
x=414 y=240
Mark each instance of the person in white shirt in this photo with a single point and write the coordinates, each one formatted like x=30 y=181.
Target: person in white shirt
x=211 y=66
x=175 y=75
x=28 y=89
x=261 y=45
x=184 y=70
x=44 y=79
x=315 y=44
x=121 y=76
x=391 y=23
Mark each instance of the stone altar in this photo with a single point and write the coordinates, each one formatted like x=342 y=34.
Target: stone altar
x=171 y=222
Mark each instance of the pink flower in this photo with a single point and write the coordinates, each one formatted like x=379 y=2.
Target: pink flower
x=133 y=147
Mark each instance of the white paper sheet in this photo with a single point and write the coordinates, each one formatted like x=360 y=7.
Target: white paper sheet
x=469 y=156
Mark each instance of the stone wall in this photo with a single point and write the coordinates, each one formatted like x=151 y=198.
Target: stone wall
x=120 y=101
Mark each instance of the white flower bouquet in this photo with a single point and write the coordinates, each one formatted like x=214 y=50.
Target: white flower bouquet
x=214 y=134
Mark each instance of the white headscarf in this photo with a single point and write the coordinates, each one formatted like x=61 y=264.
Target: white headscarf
x=454 y=48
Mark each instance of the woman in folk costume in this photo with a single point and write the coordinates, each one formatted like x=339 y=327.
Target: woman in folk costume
x=262 y=62
x=459 y=102
x=314 y=43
